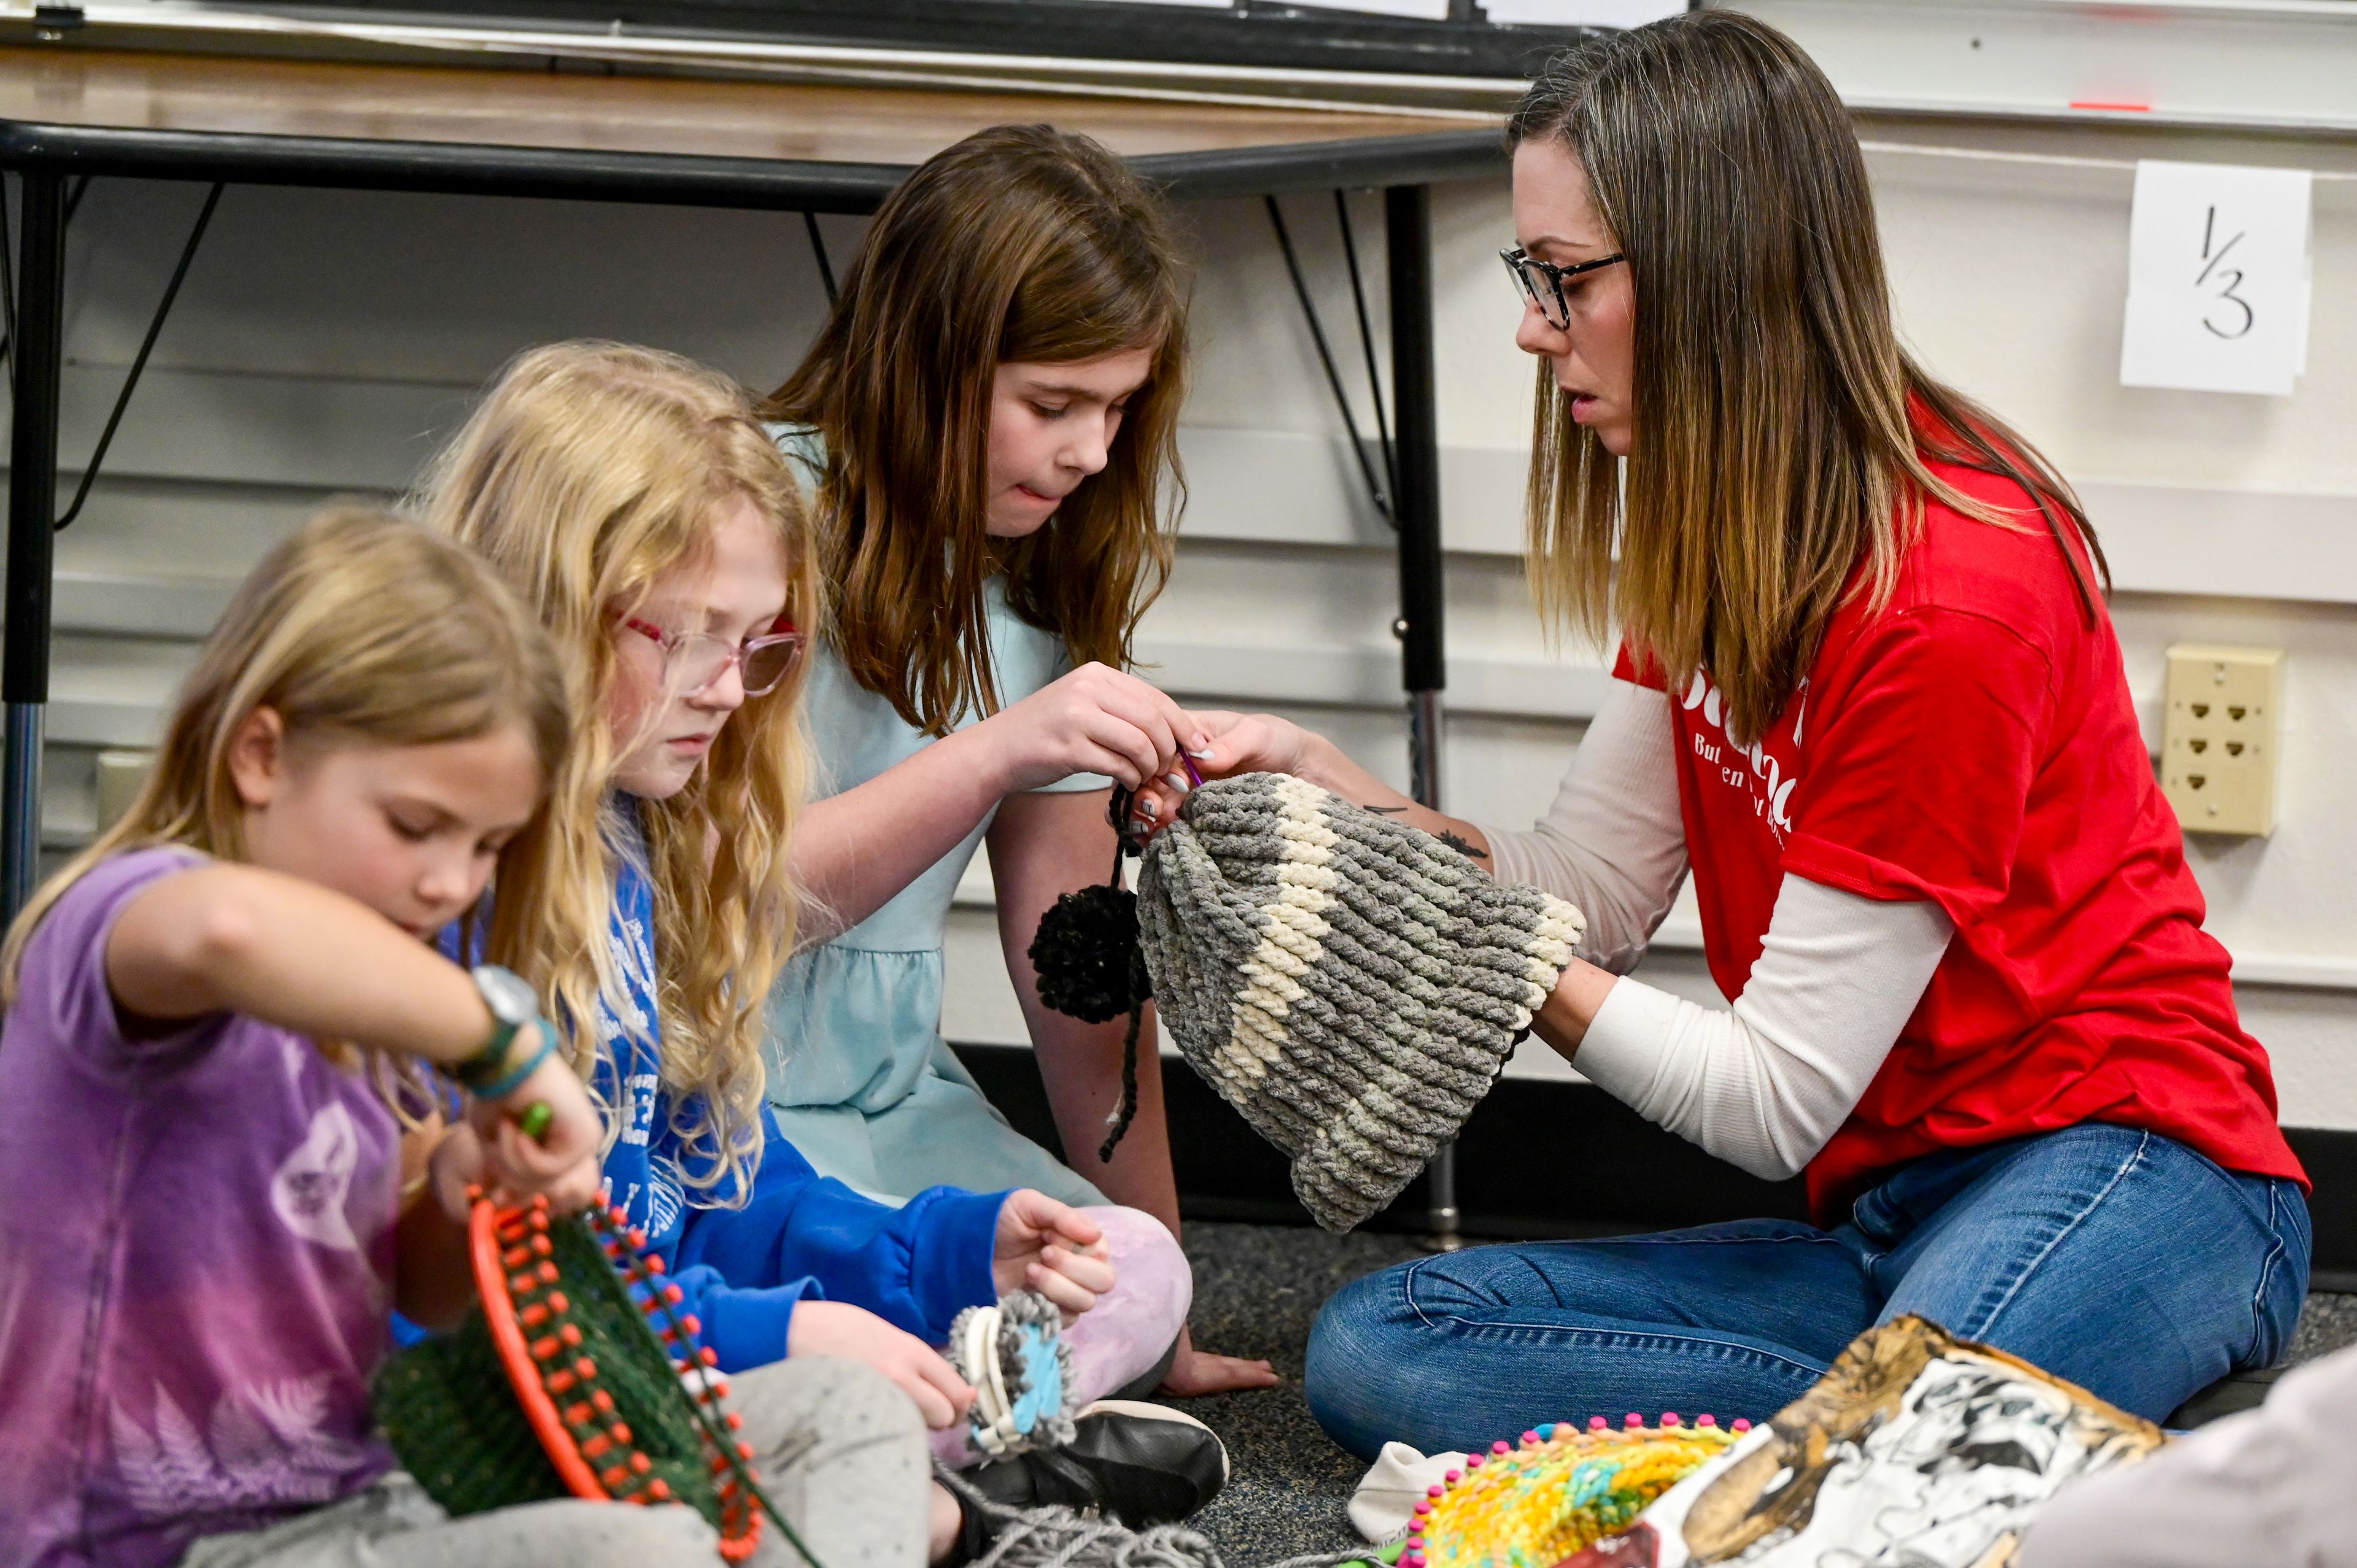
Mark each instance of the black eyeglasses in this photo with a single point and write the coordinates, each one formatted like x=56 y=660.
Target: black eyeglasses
x=1550 y=300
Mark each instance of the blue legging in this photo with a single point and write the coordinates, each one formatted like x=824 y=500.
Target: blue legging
x=2117 y=1258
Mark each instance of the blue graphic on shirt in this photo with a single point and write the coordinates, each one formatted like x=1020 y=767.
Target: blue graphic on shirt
x=659 y=1138
x=743 y=1257
x=744 y=1247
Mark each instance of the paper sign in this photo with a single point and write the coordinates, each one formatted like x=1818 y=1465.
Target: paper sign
x=1580 y=13
x=2218 y=279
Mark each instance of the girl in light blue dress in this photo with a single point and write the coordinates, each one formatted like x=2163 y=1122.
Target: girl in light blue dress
x=986 y=429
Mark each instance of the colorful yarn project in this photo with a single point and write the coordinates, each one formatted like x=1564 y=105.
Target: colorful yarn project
x=1014 y=1356
x=1559 y=1491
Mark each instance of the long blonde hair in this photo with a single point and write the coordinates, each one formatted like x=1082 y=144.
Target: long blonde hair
x=590 y=471
x=1784 y=438
x=1020 y=244
x=360 y=627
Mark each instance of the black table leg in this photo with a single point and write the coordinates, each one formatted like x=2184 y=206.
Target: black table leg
x=32 y=511
x=1407 y=223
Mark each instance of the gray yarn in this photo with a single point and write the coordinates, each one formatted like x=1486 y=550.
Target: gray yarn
x=1350 y=983
x=1054 y=1536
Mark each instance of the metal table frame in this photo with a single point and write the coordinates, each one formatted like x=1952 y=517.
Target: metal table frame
x=47 y=157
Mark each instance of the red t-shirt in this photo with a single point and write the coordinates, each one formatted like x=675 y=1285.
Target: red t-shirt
x=1973 y=743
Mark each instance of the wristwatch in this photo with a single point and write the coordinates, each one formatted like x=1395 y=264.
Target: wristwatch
x=512 y=1006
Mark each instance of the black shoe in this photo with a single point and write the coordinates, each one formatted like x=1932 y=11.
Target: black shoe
x=1141 y=1464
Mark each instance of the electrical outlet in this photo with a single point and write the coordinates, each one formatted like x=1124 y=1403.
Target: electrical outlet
x=121 y=775
x=2220 y=737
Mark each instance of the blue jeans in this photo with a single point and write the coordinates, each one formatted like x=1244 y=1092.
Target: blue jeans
x=2117 y=1258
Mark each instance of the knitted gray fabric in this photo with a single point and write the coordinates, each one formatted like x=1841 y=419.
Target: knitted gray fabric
x=1350 y=983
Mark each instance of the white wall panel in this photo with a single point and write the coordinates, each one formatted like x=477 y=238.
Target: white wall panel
x=439 y=289
x=324 y=342
x=2281 y=62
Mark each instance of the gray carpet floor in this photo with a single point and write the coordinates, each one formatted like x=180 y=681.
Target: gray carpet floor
x=1258 y=1289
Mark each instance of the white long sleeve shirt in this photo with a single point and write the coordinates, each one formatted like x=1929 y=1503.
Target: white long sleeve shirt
x=1764 y=1083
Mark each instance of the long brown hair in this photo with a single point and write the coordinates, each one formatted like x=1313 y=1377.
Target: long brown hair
x=1021 y=243
x=1783 y=436
x=361 y=627
x=590 y=471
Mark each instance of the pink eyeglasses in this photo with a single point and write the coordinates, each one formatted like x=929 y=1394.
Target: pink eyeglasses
x=694 y=659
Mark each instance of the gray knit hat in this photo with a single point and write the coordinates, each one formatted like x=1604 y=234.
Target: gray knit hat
x=1350 y=983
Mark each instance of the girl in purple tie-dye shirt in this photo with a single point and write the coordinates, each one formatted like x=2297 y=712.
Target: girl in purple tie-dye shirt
x=208 y=1014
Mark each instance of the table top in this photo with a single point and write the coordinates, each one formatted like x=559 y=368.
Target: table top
x=833 y=147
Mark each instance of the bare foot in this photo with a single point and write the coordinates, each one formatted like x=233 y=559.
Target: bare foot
x=1194 y=1372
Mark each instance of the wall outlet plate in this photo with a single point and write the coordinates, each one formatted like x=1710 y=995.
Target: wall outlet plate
x=2220 y=735
x=121 y=775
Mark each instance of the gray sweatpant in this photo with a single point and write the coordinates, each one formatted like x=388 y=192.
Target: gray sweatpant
x=840 y=1451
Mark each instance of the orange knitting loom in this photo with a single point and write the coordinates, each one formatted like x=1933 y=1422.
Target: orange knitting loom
x=535 y=1326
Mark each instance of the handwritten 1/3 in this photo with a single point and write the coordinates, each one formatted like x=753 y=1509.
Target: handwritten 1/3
x=2230 y=279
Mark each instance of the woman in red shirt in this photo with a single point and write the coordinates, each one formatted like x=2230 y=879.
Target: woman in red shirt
x=1869 y=693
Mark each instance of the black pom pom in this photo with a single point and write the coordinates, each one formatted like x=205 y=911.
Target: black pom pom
x=1090 y=966
x=1087 y=956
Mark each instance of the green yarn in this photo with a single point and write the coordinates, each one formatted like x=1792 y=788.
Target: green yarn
x=445 y=1408
x=452 y=1416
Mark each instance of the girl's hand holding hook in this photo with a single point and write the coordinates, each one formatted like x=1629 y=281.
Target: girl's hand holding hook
x=539 y=1135
x=1226 y=743
x=1095 y=720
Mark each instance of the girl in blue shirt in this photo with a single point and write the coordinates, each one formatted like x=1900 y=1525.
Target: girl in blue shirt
x=636 y=500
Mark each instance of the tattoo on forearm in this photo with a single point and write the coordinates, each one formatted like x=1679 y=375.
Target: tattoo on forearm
x=1460 y=845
